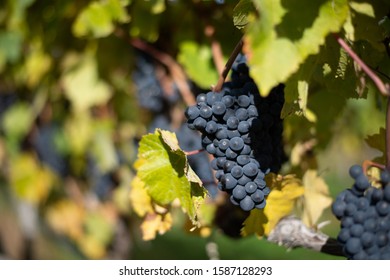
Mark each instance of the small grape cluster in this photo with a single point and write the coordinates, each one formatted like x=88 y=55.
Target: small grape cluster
x=364 y=212
x=150 y=93
x=239 y=137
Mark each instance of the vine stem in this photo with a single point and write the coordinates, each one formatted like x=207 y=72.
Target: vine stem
x=228 y=66
x=383 y=88
x=176 y=71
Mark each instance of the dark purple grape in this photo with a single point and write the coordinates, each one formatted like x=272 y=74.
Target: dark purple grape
x=239 y=192
x=247 y=203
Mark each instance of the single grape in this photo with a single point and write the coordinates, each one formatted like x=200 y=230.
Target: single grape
x=232 y=123
x=241 y=114
x=353 y=245
x=247 y=203
x=250 y=187
x=250 y=170
x=357 y=230
x=236 y=144
x=257 y=196
x=192 y=112
x=243 y=127
x=355 y=171
x=219 y=108
x=223 y=144
x=229 y=181
x=237 y=171
x=239 y=192
x=243 y=101
x=243 y=159
x=211 y=127
x=205 y=111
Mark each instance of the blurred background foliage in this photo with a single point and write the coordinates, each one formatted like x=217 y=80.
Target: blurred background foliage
x=81 y=82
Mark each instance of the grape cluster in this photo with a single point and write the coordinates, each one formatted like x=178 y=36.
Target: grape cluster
x=364 y=212
x=150 y=93
x=240 y=129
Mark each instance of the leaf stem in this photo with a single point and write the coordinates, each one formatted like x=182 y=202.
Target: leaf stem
x=382 y=87
x=194 y=152
x=228 y=66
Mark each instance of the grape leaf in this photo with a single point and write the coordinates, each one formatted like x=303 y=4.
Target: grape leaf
x=285 y=190
x=197 y=62
x=164 y=169
x=154 y=223
x=286 y=33
x=241 y=12
x=83 y=86
x=316 y=197
x=139 y=198
x=66 y=217
x=29 y=180
x=97 y=19
x=378 y=142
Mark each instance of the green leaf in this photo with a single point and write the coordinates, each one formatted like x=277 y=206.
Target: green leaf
x=164 y=169
x=17 y=121
x=146 y=17
x=241 y=13
x=83 y=86
x=10 y=46
x=286 y=34
x=197 y=62
x=98 y=18
x=378 y=142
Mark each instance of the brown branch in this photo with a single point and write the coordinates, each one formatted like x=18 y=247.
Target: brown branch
x=228 y=65
x=368 y=163
x=175 y=70
x=382 y=87
x=216 y=49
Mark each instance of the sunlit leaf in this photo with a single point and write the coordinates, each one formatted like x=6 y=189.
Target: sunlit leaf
x=286 y=33
x=29 y=180
x=139 y=198
x=197 y=61
x=241 y=12
x=316 y=197
x=164 y=169
x=155 y=223
x=83 y=86
x=285 y=190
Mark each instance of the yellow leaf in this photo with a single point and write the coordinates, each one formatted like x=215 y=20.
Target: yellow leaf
x=155 y=223
x=66 y=217
x=316 y=197
x=30 y=181
x=285 y=190
x=91 y=247
x=139 y=198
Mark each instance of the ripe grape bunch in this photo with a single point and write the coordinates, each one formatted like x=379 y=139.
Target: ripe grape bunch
x=243 y=131
x=364 y=212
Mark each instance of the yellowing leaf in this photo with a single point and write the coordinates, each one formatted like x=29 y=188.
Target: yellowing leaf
x=66 y=217
x=91 y=247
x=164 y=169
x=316 y=197
x=29 y=180
x=155 y=223
x=285 y=190
x=37 y=65
x=139 y=198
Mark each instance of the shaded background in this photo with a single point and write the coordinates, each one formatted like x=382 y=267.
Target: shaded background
x=79 y=88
